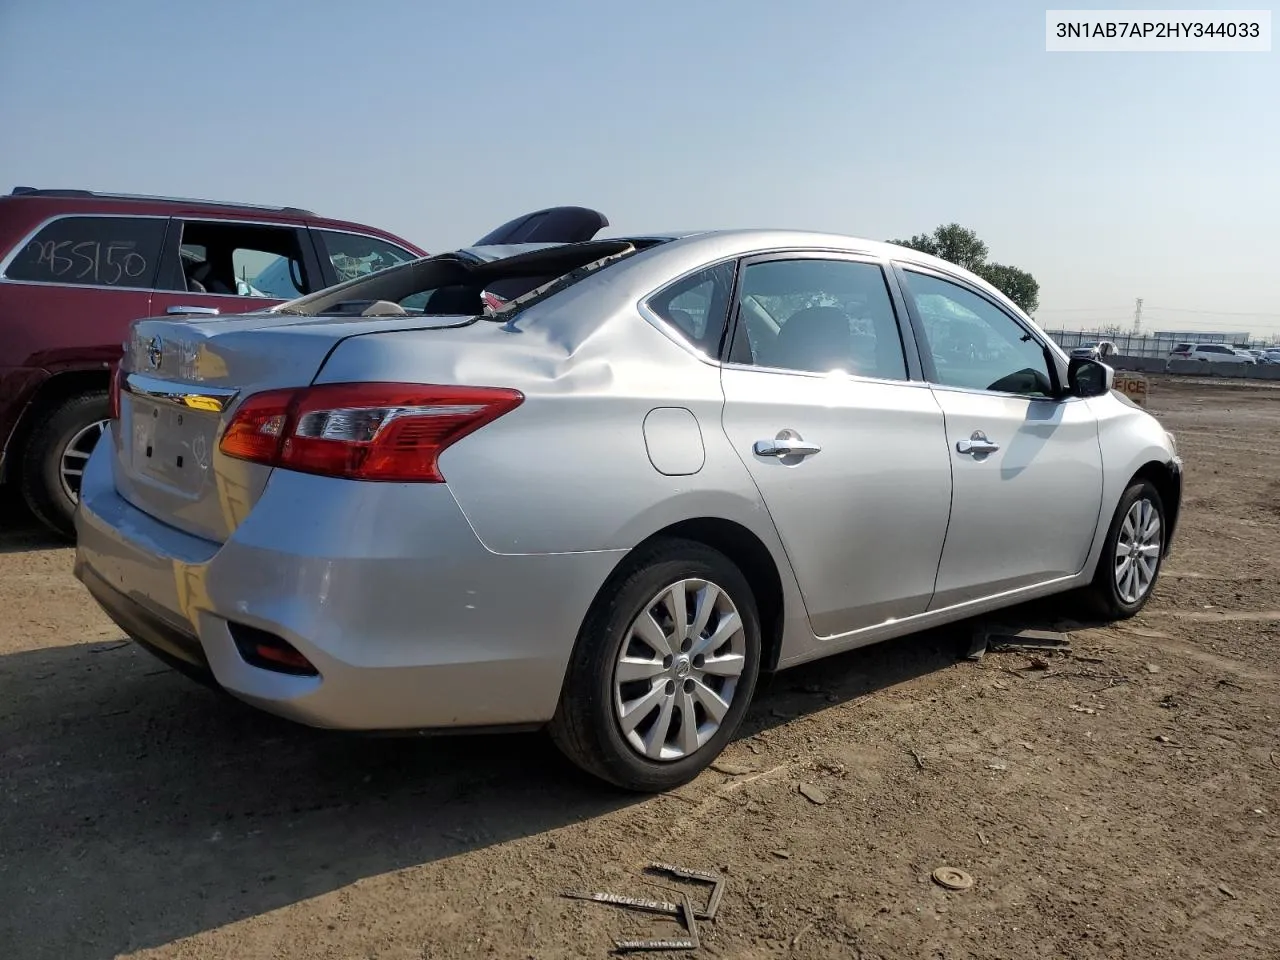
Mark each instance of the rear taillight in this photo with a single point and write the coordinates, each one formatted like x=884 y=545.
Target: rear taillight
x=362 y=431
x=113 y=393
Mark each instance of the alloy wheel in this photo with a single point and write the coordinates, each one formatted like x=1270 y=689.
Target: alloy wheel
x=1138 y=548
x=678 y=669
x=75 y=455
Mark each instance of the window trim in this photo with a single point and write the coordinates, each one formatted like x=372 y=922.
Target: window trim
x=913 y=373
x=12 y=255
x=1057 y=371
x=173 y=246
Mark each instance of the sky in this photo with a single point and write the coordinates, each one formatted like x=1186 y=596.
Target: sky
x=1108 y=176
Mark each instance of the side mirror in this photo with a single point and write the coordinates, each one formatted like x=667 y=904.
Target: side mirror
x=1089 y=378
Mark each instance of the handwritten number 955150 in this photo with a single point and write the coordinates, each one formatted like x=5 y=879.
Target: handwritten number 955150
x=90 y=260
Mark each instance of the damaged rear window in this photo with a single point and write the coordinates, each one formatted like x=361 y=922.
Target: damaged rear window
x=462 y=284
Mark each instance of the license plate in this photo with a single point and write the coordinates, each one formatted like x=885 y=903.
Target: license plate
x=170 y=444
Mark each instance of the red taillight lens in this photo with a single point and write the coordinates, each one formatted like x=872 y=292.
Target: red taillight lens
x=362 y=431
x=257 y=430
x=113 y=393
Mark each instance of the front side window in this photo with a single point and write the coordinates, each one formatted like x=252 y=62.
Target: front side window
x=92 y=251
x=974 y=343
x=353 y=255
x=818 y=316
x=245 y=260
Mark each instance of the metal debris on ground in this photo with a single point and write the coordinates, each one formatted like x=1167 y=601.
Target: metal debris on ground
x=685 y=943
x=631 y=903
x=683 y=911
x=998 y=639
x=952 y=878
x=716 y=881
x=636 y=946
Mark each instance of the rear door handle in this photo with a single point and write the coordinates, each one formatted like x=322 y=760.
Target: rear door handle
x=788 y=443
x=977 y=445
x=193 y=311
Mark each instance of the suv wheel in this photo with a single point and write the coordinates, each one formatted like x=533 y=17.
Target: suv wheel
x=663 y=670
x=56 y=455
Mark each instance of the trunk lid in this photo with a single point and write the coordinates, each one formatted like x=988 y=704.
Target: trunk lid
x=182 y=382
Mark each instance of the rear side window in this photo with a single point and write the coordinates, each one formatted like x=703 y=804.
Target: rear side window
x=92 y=251
x=237 y=259
x=697 y=306
x=353 y=255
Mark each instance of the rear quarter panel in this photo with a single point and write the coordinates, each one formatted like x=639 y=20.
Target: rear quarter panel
x=569 y=470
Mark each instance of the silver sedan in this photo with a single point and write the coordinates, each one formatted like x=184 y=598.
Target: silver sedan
x=600 y=486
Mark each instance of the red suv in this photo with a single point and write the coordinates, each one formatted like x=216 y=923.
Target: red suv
x=77 y=267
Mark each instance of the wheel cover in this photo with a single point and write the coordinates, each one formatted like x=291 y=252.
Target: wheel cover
x=1138 y=546
x=678 y=670
x=75 y=455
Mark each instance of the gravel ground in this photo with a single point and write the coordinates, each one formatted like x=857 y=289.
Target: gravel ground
x=1121 y=803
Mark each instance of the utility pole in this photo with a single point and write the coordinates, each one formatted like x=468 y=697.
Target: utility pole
x=1137 y=315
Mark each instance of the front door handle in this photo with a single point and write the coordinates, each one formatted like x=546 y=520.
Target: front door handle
x=193 y=311
x=788 y=443
x=977 y=445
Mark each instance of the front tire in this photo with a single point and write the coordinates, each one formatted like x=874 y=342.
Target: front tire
x=663 y=670
x=56 y=454
x=1131 y=556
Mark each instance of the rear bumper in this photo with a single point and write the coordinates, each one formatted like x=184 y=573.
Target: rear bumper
x=410 y=621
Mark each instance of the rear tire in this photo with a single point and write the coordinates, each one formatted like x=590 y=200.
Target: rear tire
x=1137 y=533
x=674 y=706
x=56 y=448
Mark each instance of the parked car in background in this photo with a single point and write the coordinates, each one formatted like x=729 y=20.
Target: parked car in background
x=1209 y=353
x=1269 y=356
x=605 y=497
x=1094 y=350
x=77 y=267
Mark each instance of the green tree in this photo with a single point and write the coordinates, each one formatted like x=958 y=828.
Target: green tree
x=961 y=246
x=1018 y=285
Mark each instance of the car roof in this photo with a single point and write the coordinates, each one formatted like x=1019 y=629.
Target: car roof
x=77 y=194
x=58 y=202
x=717 y=244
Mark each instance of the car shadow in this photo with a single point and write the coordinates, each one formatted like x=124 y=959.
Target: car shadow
x=20 y=531
x=141 y=808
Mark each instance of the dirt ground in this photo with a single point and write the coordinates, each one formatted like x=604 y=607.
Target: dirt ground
x=1122 y=803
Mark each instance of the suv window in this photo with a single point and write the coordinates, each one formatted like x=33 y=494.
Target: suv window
x=93 y=251
x=974 y=343
x=697 y=306
x=818 y=316
x=353 y=255
x=236 y=259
